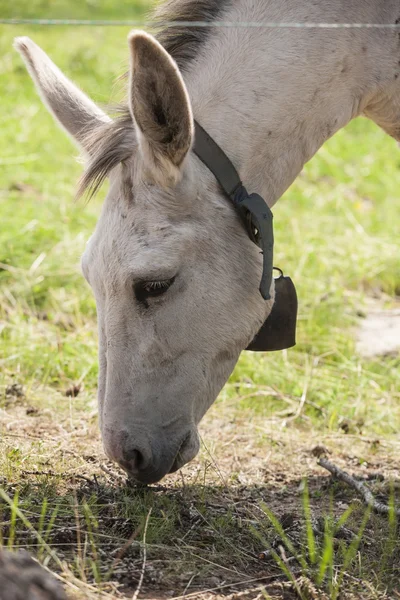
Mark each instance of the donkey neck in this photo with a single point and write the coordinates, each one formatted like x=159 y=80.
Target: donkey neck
x=272 y=97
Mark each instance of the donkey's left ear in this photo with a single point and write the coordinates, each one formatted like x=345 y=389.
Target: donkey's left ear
x=160 y=107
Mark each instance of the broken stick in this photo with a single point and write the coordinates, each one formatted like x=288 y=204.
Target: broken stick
x=359 y=486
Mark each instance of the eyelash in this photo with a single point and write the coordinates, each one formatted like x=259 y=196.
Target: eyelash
x=152 y=289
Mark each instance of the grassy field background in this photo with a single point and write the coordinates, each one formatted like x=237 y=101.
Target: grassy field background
x=337 y=235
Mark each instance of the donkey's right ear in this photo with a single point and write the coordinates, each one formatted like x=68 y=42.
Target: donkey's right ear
x=71 y=108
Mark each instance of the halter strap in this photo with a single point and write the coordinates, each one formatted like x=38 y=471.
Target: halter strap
x=253 y=209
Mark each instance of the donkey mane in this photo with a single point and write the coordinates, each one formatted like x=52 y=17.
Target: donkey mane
x=114 y=142
x=183 y=43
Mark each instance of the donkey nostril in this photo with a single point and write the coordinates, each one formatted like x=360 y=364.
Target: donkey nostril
x=136 y=460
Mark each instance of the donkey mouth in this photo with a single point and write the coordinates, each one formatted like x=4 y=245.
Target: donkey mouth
x=187 y=451
x=166 y=463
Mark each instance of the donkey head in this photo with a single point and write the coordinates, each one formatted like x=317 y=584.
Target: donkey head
x=175 y=276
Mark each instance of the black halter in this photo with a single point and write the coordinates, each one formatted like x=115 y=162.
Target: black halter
x=279 y=330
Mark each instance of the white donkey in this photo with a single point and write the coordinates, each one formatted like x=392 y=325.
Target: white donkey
x=174 y=273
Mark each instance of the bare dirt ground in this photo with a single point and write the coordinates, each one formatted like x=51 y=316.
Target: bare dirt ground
x=379 y=333
x=209 y=536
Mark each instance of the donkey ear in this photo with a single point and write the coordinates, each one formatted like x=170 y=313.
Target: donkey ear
x=160 y=108
x=69 y=106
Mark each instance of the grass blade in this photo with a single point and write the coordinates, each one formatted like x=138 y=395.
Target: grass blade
x=309 y=526
x=286 y=541
x=13 y=519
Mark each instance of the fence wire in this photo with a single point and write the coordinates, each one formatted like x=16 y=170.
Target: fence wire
x=196 y=24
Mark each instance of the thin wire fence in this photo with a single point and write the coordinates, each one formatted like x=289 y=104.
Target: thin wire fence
x=196 y=24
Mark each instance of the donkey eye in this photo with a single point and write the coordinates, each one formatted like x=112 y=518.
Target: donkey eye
x=152 y=289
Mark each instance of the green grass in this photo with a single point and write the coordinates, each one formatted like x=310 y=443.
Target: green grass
x=336 y=235
x=74 y=9
x=318 y=560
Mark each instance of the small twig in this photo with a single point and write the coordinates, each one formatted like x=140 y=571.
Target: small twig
x=137 y=592
x=78 y=537
x=115 y=476
x=214 y=463
x=303 y=399
x=189 y=584
x=53 y=474
x=294 y=581
x=359 y=486
x=122 y=551
x=267 y=579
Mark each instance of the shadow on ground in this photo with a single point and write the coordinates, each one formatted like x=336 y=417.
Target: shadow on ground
x=209 y=541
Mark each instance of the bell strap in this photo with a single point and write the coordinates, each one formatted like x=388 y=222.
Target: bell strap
x=253 y=209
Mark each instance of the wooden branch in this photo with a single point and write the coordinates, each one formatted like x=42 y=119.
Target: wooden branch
x=359 y=486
